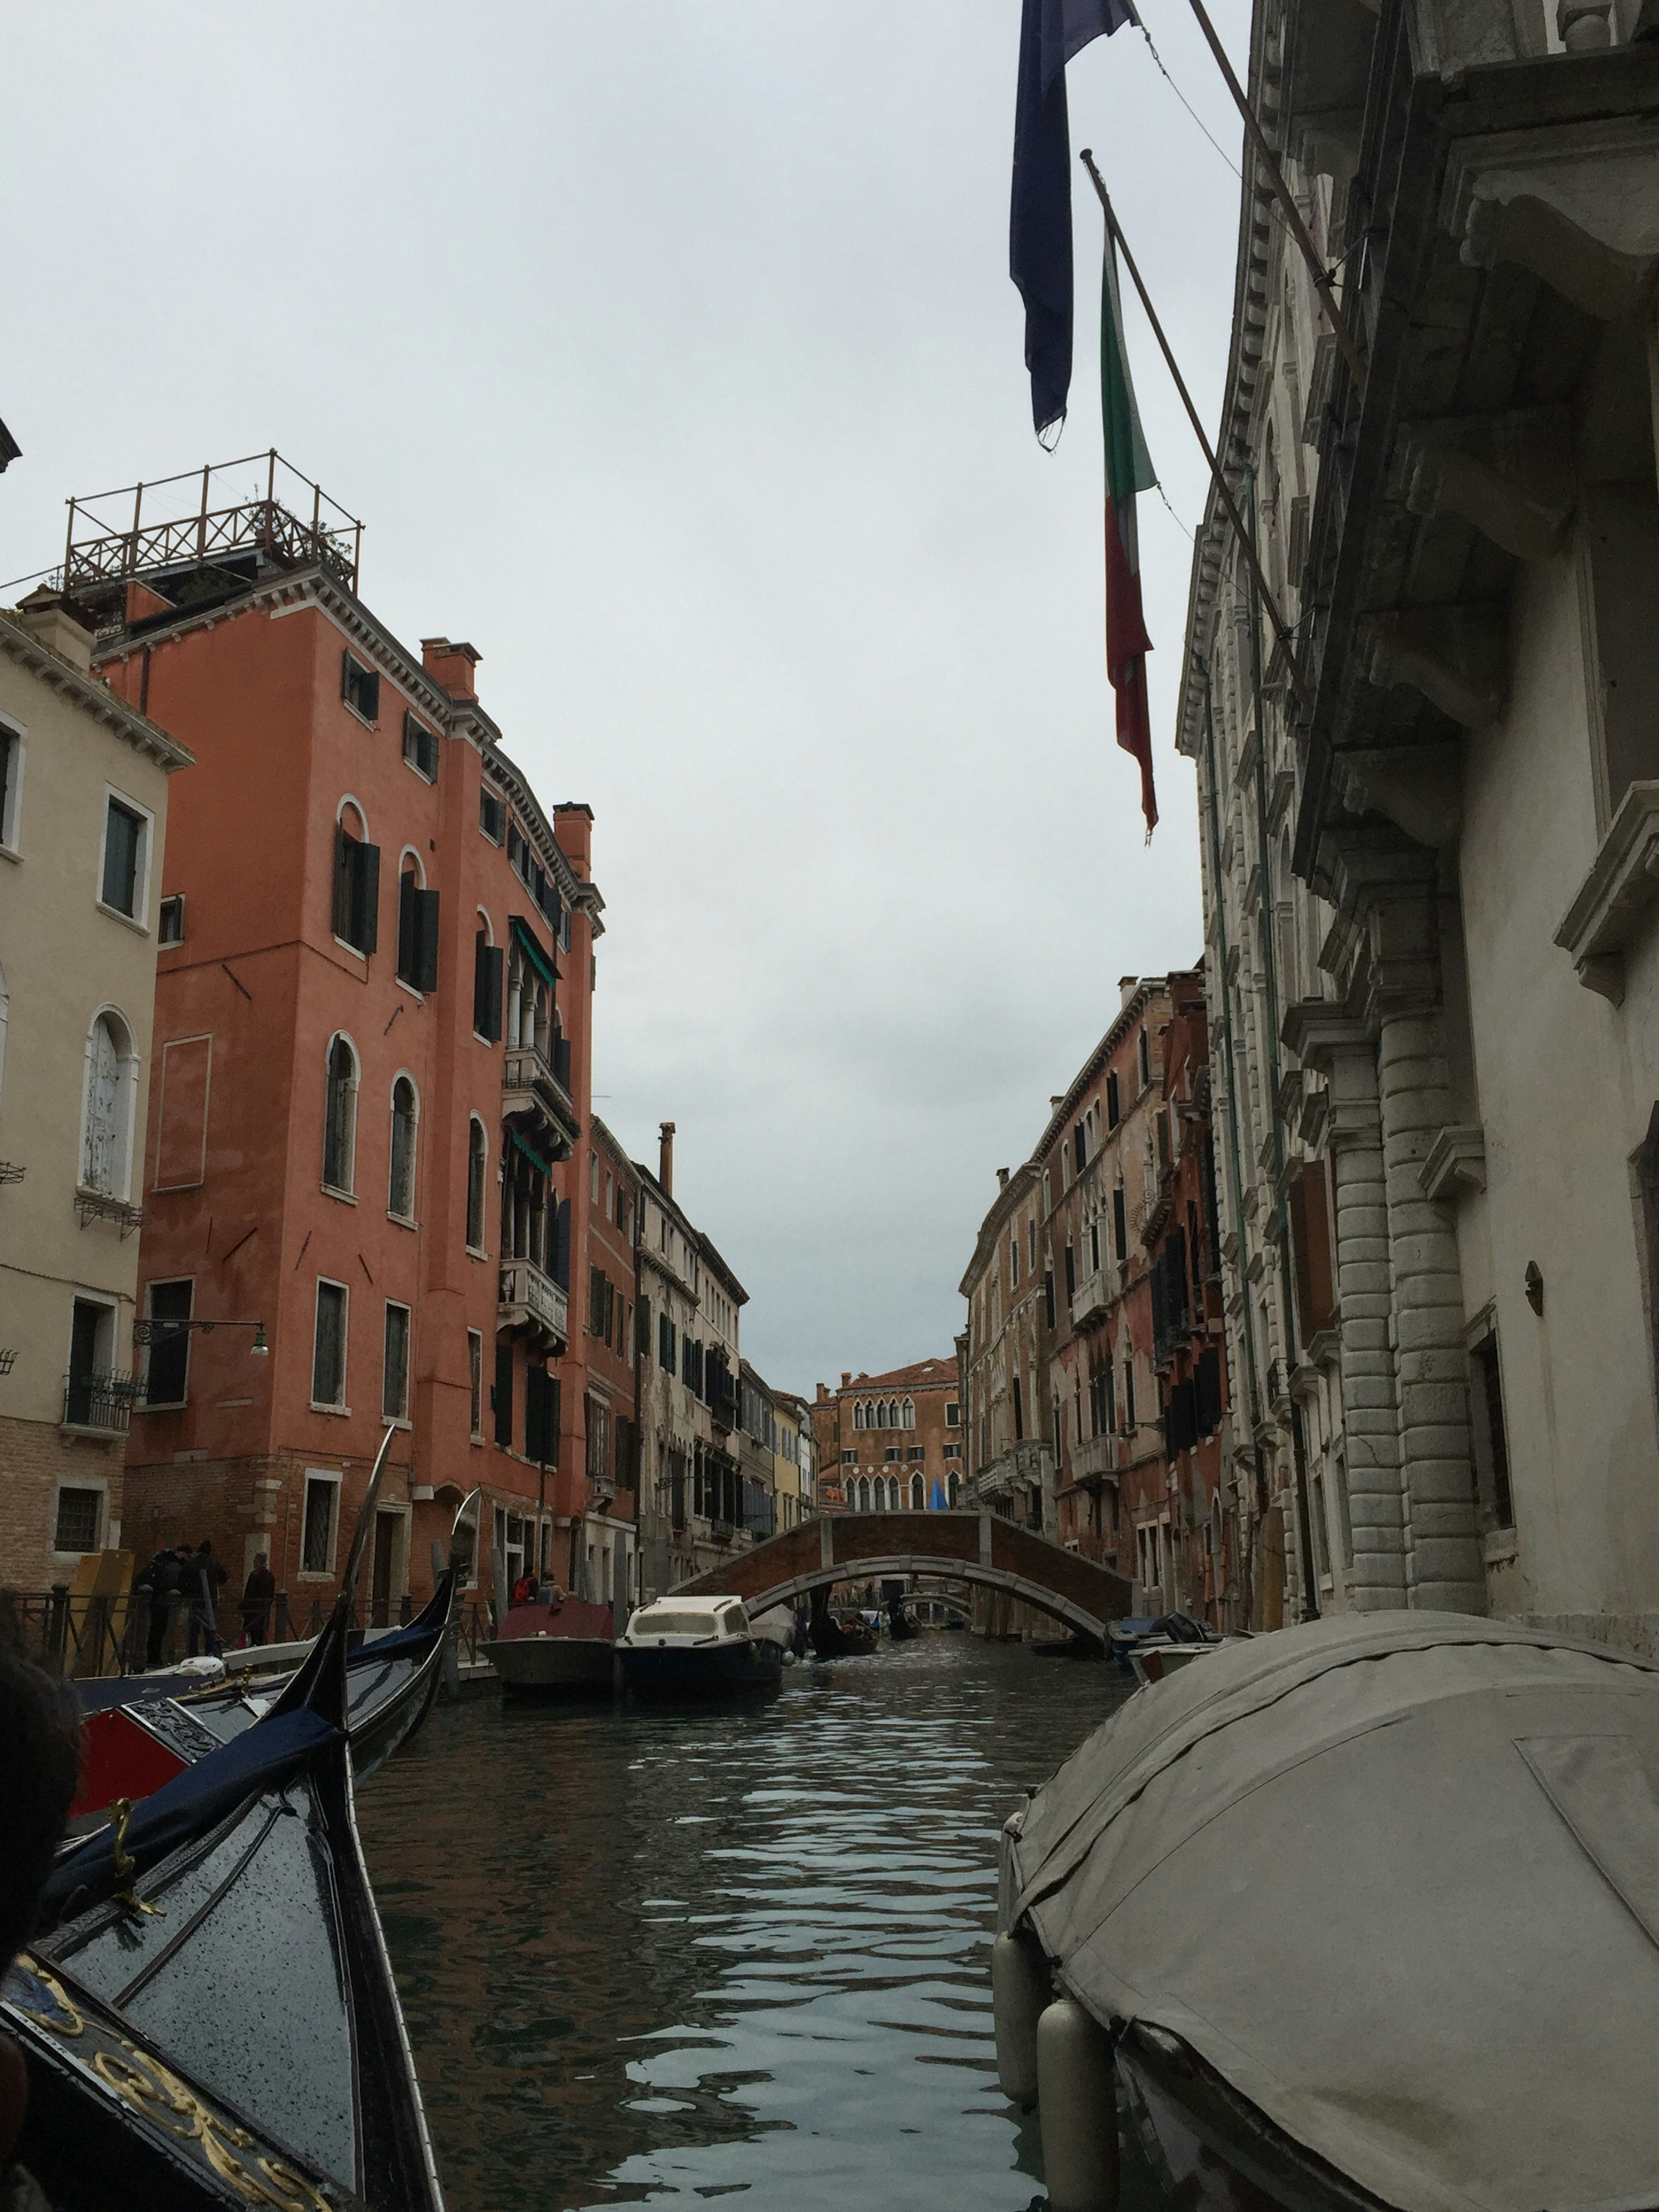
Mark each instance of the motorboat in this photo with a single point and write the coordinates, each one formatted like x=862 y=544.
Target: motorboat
x=130 y=1748
x=205 y=2010
x=556 y=1643
x=683 y=1647
x=1149 y=1646
x=1361 y=1913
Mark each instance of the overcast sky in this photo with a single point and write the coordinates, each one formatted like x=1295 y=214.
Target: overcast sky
x=668 y=353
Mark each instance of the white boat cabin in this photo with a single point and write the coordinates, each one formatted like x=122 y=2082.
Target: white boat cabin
x=684 y=1623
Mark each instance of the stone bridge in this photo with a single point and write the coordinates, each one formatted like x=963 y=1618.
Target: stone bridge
x=972 y=1547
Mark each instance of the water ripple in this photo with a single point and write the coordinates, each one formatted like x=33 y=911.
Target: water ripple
x=653 y=1956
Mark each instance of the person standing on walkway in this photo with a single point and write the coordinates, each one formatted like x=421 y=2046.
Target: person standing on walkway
x=257 y=1600
x=160 y=1582
x=205 y=1577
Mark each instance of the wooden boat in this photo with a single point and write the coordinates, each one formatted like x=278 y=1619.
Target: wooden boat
x=1361 y=1913
x=206 y=2010
x=836 y=1636
x=131 y=1748
x=564 y=1645
x=697 y=1647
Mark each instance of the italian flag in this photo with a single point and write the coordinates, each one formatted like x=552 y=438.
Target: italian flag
x=1128 y=471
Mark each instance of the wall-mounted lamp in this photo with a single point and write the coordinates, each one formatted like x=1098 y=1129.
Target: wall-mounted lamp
x=1535 y=1282
x=158 y=1332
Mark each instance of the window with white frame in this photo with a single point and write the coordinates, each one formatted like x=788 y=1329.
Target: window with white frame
x=400 y=1194
x=394 y=1367
x=170 y=919
x=111 y=1086
x=11 y=785
x=340 y=1116
x=124 y=864
x=317 y=1528
x=328 y=1355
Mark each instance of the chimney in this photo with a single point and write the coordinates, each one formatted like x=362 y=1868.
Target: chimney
x=46 y=616
x=1126 y=987
x=1054 y=1099
x=666 y=1163
x=1002 y=1178
x=846 y=1377
x=451 y=666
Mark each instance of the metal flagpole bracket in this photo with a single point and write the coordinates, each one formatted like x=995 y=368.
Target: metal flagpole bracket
x=1246 y=541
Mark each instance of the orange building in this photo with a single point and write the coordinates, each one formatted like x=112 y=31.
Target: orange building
x=368 y=1125
x=891 y=1442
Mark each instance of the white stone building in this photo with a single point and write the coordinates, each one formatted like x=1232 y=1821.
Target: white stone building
x=1431 y=848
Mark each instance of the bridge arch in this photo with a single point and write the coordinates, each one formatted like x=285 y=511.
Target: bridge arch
x=973 y=1547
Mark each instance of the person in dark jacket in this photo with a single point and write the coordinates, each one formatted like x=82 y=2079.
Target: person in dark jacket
x=257 y=1600
x=161 y=1582
x=205 y=1579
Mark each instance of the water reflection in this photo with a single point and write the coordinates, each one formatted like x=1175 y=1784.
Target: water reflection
x=653 y=1956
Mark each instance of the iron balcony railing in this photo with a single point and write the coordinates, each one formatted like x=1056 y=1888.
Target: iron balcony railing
x=100 y=1402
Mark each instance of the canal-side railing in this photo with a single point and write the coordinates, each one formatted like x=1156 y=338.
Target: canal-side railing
x=81 y=1637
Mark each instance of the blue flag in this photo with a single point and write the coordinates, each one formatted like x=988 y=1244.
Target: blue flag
x=1040 y=219
x=939 y=1502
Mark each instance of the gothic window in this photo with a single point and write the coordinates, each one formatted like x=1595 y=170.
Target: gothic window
x=917 y=1494
x=909 y=1414
x=340 y=1116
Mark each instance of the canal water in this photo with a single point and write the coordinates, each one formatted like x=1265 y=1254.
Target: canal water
x=651 y=1957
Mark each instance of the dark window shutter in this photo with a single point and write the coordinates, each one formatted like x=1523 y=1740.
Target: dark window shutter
x=366 y=897
x=1114 y=1112
x=1049 y=1296
x=1207 y=1406
x=408 y=892
x=426 y=940
x=501 y=1396
x=480 y=984
x=1071 y=1273
x=1079 y=1147
x=344 y=849
x=1120 y=1226
x=495 y=990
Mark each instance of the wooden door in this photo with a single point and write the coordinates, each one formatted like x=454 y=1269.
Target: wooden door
x=386 y=1539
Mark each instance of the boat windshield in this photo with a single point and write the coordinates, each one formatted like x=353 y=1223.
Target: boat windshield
x=670 y=1621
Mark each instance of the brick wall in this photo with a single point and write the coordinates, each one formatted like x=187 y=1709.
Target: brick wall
x=35 y=1458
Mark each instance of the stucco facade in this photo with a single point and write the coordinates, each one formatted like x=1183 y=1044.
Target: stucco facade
x=890 y=1442
x=79 y=771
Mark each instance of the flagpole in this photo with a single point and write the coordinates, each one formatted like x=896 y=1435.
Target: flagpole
x=1288 y=208
x=1247 y=543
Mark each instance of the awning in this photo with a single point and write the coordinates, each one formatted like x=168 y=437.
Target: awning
x=540 y=961
x=530 y=1153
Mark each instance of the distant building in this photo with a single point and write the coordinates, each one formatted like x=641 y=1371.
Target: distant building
x=891 y=1442
x=610 y=1417
x=690 y=1495
x=84 y=804
x=794 y=1476
x=368 y=1128
x=757 y=1455
x=1009 y=1287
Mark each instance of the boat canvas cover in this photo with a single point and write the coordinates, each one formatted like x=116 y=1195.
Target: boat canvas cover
x=1395 y=1878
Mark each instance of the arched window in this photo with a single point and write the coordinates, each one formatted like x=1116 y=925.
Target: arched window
x=477 y=1167
x=340 y=1116
x=858 y=1417
x=862 y=1487
x=895 y=1495
x=878 y=1499
x=955 y=1486
x=112 y=1082
x=917 y=1494
x=400 y=1194
x=909 y=1414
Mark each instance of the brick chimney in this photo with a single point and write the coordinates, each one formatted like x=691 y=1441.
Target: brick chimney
x=47 y=617
x=845 y=1377
x=666 y=1159
x=451 y=666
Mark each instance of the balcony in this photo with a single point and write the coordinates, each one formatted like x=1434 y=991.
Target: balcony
x=533 y=1301
x=1029 y=1463
x=723 y=1407
x=1091 y=1298
x=536 y=1090
x=1092 y=1457
x=101 y=1404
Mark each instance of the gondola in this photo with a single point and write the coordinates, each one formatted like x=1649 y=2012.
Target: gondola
x=899 y=1626
x=832 y=1637
x=1362 y=1913
x=130 y=1748
x=206 y=2009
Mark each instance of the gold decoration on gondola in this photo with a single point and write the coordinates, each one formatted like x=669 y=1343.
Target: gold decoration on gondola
x=157 y=2094
x=65 y=2020
x=125 y=1866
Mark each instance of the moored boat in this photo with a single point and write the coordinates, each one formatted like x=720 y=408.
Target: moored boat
x=1361 y=1913
x=206 y=2010
x=697 y=1647
x=130 y=1748
x=561 y=1643
x=837 y=1635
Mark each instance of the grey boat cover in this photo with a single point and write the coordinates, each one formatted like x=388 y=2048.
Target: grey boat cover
x=1396 y=1877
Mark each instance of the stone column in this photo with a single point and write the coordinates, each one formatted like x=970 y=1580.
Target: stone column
x=1391 y=887
x=1341 y=1048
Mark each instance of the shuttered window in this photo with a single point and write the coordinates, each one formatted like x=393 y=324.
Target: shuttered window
x=488 y=975
x=356 y=891
x=501 y=1398
x=360 y=687
x=328 y=1354
x=420 y=747
x=417 y=933
x=394 y=1372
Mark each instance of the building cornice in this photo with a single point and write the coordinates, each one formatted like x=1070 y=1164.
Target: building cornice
x=93 y=696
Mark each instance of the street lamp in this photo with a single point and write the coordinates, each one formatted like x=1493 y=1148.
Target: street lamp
x=158 y=1332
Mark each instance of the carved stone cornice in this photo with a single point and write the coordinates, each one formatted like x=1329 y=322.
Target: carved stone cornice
x=1457 y=1157
x=1572 y=201
x=1617 y=896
